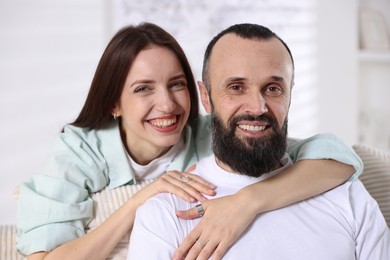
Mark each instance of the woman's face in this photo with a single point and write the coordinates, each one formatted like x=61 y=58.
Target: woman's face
x=154 y=104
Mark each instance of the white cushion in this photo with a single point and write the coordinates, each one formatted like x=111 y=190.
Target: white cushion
x=106 y=202
x=376 y=176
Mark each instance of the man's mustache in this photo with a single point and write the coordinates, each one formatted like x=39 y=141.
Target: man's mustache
x=247 y=117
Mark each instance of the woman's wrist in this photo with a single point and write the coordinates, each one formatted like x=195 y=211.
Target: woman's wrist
x=133 y=203
x=249 y=198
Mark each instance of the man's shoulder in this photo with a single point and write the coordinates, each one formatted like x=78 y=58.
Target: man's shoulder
x=351 y=200
x=162 y=202
x=353 y=190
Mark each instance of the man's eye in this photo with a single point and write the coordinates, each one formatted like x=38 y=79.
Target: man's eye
x=236 y=87
x=274 y=90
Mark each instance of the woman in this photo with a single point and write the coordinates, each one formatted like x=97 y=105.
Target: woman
x=140 y=120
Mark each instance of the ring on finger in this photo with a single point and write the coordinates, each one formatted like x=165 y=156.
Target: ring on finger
x=200 y=209
x=199 y=243
x=184 y=178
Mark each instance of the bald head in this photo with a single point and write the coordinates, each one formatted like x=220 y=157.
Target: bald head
x=247 y=78
x=252 y=32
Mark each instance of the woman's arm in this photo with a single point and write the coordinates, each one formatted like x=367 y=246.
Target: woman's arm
x=100 y=242
x=226 y=218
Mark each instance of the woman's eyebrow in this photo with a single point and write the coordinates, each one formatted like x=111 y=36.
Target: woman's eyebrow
x=149 y=81
x=141 y=81
x=179 y=76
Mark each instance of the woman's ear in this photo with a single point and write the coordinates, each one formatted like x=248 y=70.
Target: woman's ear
x=204 y=96
x=116 y=112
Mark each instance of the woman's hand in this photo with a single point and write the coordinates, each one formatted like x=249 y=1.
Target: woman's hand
x=224 y=220
x=185 y=185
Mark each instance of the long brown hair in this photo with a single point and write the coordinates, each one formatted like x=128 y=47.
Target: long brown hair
x=114 y=65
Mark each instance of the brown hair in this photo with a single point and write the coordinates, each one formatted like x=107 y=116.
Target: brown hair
x=114 y=65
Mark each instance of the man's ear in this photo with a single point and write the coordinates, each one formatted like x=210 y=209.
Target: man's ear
x=204 y=96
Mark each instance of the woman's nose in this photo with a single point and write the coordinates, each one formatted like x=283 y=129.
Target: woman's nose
x=166 y=102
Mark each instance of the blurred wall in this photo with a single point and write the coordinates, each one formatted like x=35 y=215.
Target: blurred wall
x=49 y=51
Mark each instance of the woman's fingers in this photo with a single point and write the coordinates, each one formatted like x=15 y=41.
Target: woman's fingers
x=191 y=168
x=192 y=212
x=203 y=183
x=187 y=186
x=203 y=250
x=199 y=246
x=187 y=244
x=191 y=181
x=224 y=220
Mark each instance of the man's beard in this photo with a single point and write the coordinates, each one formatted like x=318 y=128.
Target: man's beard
x=251 y=156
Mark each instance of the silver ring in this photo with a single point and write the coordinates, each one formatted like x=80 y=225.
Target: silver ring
x=200 y=209
x=201 y=245
x=184 y=178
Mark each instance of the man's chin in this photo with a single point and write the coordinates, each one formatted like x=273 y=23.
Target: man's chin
x=249 y=141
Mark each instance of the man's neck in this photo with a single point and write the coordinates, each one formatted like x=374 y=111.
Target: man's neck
x=224 y=166
x=227 y=168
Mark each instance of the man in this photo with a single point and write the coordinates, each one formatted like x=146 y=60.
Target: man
x=248 y=73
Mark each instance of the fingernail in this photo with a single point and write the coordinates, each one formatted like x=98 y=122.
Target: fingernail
x=212 y=192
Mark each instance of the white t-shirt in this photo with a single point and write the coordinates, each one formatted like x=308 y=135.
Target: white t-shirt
x=154 y=169
x=344 y=223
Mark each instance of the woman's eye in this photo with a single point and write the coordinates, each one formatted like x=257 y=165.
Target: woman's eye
x=141 y=89
x=179 y=84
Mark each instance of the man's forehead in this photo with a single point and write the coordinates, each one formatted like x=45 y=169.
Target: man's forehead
x=231 y=42
x=233 y=56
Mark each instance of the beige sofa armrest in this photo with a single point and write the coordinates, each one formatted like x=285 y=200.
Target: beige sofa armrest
x=376 y=176
x=7 y=243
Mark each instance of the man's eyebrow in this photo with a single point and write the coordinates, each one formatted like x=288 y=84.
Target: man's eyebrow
x=277 y=78
x=239 y=79
x=234 y=79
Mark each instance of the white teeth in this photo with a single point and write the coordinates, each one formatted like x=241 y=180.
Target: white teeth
x=163 y=122
x=252 y=128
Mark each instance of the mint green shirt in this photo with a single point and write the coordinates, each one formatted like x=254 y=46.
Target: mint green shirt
x=55 y=207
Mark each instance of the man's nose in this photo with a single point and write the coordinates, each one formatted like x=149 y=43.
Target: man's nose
x=255 y=104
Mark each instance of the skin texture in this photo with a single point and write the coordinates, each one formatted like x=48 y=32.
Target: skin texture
x=226 y=218
x=154 y=89
x=243 y=83
x=252 y=77
x=157 y=90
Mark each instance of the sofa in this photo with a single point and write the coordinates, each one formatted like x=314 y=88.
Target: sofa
x=375 y=177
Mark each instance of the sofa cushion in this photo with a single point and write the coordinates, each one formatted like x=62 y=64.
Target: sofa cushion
x=376 y=176
x=106 y=202
x=8 y=244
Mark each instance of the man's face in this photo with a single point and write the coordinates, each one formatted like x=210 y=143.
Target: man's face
x=250 y=84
